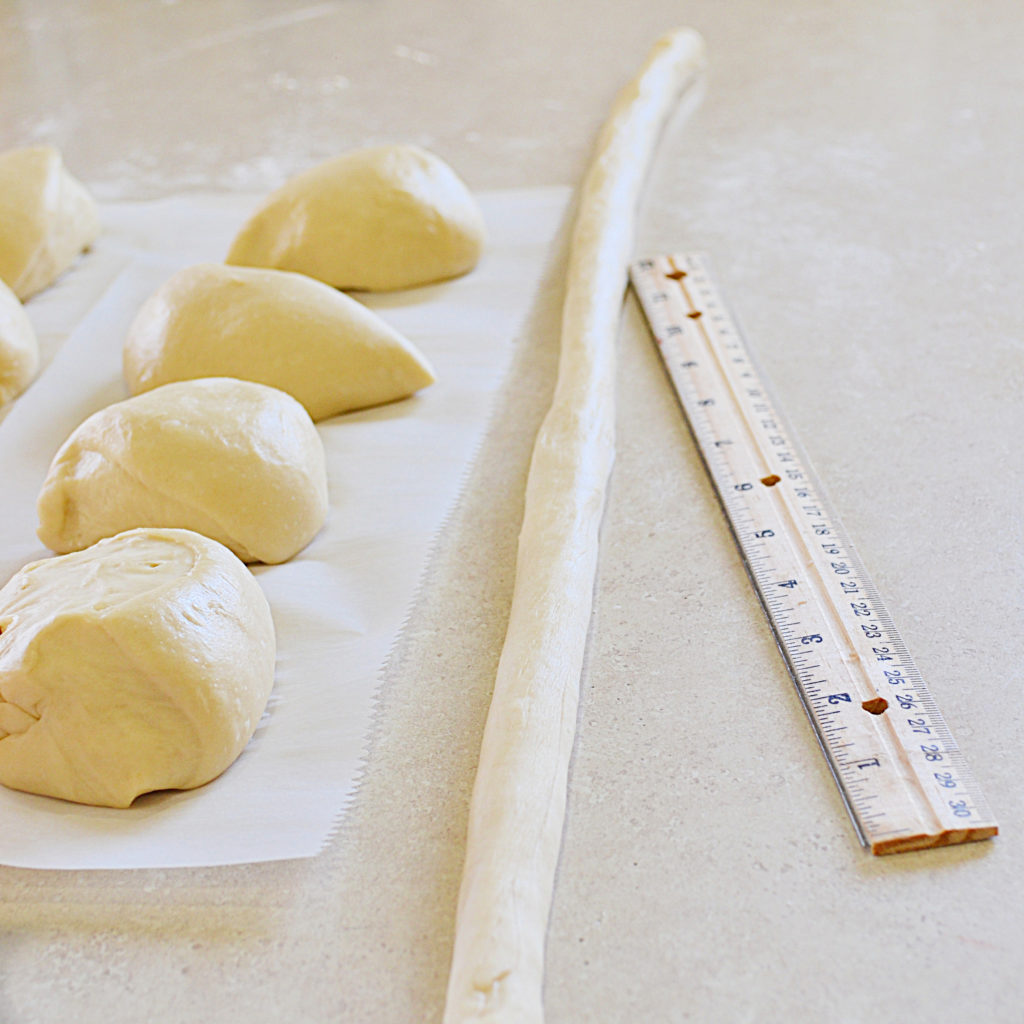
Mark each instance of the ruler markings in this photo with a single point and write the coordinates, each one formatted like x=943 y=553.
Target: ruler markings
x=792 y=544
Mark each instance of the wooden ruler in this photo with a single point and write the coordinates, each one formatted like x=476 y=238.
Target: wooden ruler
x=903 y=778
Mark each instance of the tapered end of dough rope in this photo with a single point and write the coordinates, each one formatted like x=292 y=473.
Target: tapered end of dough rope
x=689 y=44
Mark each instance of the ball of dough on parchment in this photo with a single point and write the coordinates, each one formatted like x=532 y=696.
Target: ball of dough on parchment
x=236 y=461
x=374 y=219
x=46 y=219
x=143 y=662
x=19 y=350
x=278 y=328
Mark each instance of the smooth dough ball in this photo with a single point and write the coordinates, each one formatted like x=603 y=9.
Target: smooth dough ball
x=278 y=328
x=236 y=461
x=46 y=219
x=141 y=663
x=377 y=219
x=19 y=350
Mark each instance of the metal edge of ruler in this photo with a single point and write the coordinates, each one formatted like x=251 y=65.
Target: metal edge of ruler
x=901 y=775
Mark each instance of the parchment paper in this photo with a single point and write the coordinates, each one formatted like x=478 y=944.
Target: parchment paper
x=394 y=472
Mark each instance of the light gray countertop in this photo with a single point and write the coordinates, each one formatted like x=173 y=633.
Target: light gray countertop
x=854 y=171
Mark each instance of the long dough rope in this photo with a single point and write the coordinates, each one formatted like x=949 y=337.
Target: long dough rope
x=518 y=805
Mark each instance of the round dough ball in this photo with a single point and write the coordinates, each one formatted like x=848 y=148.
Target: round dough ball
x=278 y=328
x=141 y=663
x=46 y=219
x=236 y=461
x=19 y=350
x=377 y=219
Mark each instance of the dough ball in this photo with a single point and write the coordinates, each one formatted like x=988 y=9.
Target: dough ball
x=141 y=663
x=46 y=219
x=377 y=219
x=286 y=330
x=236 y=461
x=19 y=350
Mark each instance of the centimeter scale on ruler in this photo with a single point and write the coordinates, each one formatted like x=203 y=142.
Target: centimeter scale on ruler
x=903 y=778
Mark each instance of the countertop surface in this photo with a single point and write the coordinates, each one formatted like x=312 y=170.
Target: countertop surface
x=854 y=173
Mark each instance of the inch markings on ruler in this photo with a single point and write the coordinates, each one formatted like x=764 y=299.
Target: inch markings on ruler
x=903 y=778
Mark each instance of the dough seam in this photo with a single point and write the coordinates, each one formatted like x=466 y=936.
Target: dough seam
x=192 y=510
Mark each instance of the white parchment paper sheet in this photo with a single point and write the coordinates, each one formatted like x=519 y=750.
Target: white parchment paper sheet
x=394 y=472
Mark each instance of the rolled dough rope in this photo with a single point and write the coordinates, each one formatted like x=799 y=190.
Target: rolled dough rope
x=518 y=805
